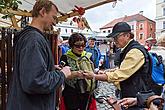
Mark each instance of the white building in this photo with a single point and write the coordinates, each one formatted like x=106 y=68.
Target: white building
x=160 y=17
x=67 y=28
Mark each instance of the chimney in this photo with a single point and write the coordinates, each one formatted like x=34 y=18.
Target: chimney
x=141 y=12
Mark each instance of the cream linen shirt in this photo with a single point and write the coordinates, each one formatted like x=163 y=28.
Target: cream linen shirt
x=132 y=62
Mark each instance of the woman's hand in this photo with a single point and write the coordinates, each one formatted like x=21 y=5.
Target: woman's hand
x=76 y=74
x=88 y=74
x=79 y=74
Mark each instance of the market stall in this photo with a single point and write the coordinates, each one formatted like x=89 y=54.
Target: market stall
x=16 y=14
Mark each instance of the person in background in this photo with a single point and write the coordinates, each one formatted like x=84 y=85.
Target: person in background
x=160 y=47
x=148 y=45
x=62 y=45
x=97 y=58
x=132 y=74
x=35 y=79
x=62 y=48
x=153 y=102
x=78 y=92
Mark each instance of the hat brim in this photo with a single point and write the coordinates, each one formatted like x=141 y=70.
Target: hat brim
x=113 y=35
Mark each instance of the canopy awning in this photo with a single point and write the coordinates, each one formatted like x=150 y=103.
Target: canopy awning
x=65 y=7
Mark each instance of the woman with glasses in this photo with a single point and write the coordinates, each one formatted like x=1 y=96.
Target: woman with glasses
x=78 y=92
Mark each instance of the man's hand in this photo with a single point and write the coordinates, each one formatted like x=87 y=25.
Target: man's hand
x=113 y=102
x=127 y=102
x=57 y=67
x=77 y=74
x=66 y=70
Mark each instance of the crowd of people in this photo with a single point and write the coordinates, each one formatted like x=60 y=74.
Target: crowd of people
x=35 y=78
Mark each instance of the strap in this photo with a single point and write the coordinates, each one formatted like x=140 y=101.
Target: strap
x=152 y=98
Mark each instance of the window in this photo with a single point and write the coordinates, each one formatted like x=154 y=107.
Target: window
x=66 y=30
x=163 y=24
x=141 y=36
x=163 y=11
x=137 y=27
x=109 y=31
x=151 y=27
x=141 y=26
x=59 y=29
x=104 y=31
x=71 y=30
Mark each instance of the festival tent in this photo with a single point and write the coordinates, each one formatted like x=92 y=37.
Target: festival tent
x=67 y=9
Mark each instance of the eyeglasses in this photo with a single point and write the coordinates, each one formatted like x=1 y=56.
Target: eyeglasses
x=115 y=38
x=78 y=46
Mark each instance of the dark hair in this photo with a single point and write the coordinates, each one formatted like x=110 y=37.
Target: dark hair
x=76 y=37
x=42 y=4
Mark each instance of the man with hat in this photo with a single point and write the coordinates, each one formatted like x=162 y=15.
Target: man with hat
x=96 y=55
x=132 y=76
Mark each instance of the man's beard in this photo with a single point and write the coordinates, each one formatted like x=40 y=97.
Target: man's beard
x=50 y=28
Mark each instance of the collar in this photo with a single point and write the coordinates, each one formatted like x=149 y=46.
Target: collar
x=126 y=45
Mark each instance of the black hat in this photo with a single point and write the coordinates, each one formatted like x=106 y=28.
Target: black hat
x=119 y=28
x=92 y=38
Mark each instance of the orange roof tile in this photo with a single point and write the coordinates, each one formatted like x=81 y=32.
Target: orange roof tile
x=136 y=17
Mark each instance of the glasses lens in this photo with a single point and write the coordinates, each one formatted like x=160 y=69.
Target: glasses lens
x=78 y=46
x=116 y=37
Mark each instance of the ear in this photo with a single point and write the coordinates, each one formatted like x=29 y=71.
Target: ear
x=42 y=12
x=128 y=36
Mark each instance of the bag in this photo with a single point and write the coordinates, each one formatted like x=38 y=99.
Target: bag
x=157 y=68
x=85 y=64
x=142 y=98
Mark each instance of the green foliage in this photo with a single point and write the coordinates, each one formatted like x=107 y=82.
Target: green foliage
x=6 y=4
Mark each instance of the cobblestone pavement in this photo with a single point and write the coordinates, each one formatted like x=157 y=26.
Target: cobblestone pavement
x=105 y=88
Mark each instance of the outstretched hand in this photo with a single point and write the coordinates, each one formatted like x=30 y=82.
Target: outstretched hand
x=88 y=74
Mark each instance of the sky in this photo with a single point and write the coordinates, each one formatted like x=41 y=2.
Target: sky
x=100 y=16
